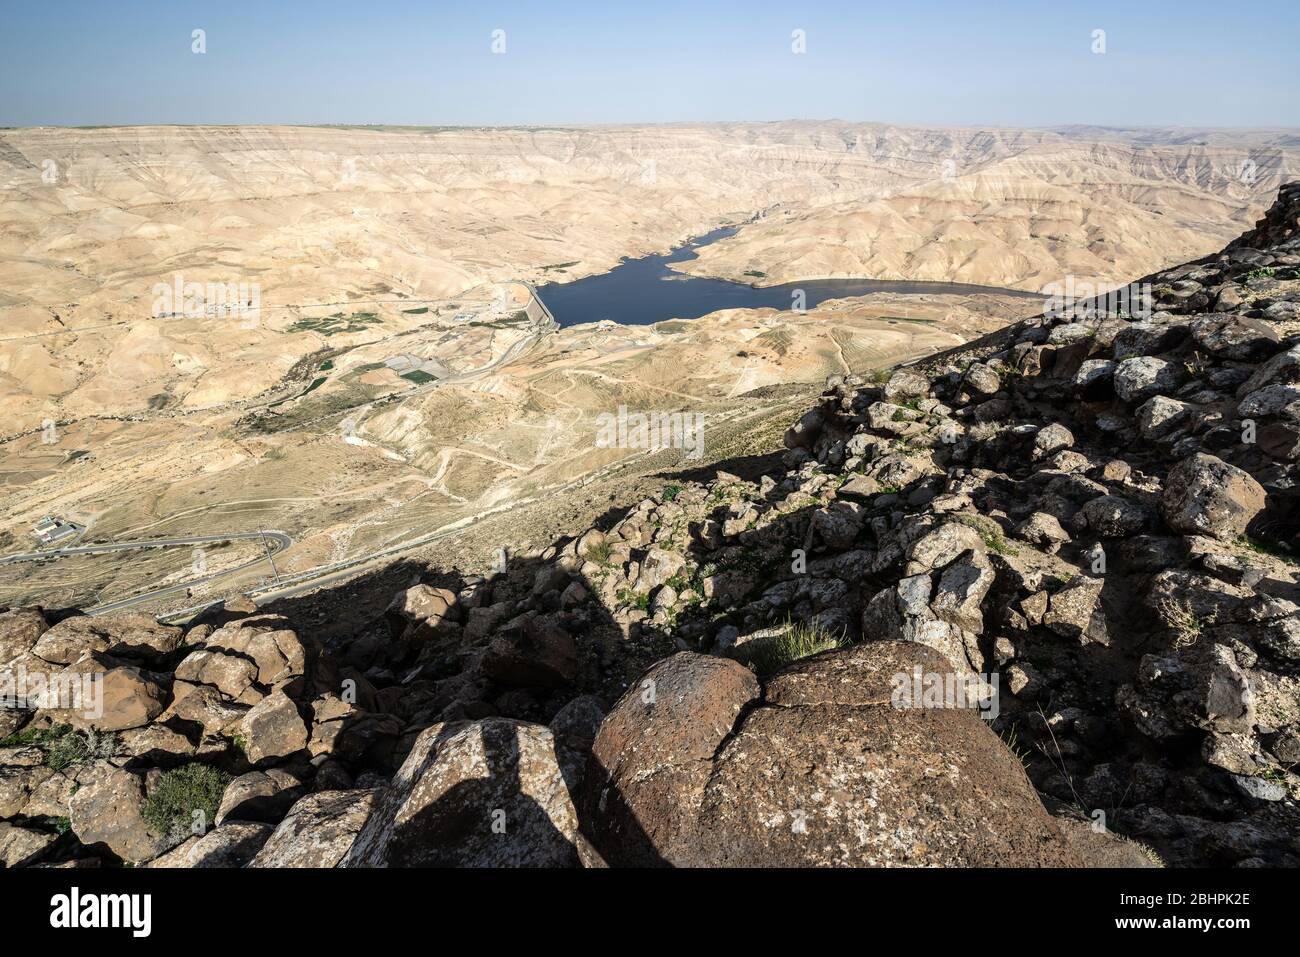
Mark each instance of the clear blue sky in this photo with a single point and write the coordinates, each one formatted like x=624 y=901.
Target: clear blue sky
x=426 y=62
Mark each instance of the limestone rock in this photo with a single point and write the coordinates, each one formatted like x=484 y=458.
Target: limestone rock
x=20 y=628
x=21 y=846
x=535 y=652
x=1206 y=496
x=473 y=794
x=110 y=810
x=825 y=772
x=318 y=830
x=1142 y=377
x=231 y=845
x=259 y=796
x=273 y=729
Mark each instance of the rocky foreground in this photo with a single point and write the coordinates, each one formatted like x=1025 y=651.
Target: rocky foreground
x=1091 y=519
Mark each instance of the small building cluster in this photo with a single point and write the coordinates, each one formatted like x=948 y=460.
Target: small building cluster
x=52 y=529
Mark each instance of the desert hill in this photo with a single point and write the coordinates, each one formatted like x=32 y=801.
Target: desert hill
x=1031 y=601
x=91 y=220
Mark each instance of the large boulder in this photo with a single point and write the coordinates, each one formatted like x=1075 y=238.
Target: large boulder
x=110 y=811
x=132 y=635
x=233 y=845
x=1235 y=337
x=1204 y=495
x=535 y=652
x=1075 y=611
x=651 y=759
x=1160 y=415
x=484 y=793
x=233 y=676
x=280 y=657
x=825 y=771
x=421 y=605
x=20 y=846
x=259 y=796
x=318 y=830
x=1142 y=377
x=18 y=784
x=246 y=659
x=20 y=628
x=273 y=729
x=906 y=384
x=107 y=694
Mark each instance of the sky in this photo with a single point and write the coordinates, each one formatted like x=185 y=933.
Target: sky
x=430 y=63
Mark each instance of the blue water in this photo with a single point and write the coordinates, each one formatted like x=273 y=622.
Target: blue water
x=638 y=292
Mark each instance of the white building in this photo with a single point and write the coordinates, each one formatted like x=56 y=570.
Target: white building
x=51 y=529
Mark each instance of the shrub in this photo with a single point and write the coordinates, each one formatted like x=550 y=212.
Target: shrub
x=76 y=747
x=64 y=745
x=37 y=736
x=630 y=599
x=771 y=654
x=179 y=793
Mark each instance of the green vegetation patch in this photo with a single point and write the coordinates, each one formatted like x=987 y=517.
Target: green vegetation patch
x=179 y=793
x=64 y=745
x=771 y=654
x=419 y=377
x=336 y=323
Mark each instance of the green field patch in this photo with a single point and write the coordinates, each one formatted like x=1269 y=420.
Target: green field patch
x=336 y=323
x=419 y=377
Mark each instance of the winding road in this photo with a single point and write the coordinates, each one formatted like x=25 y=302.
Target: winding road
x=274 y=541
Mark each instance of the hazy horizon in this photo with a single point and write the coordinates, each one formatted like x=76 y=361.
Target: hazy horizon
x=561 y=125
x=1103 y=64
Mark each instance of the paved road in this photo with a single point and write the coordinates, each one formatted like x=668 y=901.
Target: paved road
x=319 y=577
x=275 y=542
x=279 y=538
x=278 y=541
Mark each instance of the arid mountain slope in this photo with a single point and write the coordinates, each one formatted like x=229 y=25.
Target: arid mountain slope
x=1029 y=602
x=92 y=219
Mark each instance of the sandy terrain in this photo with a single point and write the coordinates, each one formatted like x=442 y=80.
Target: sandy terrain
x=394 y=379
